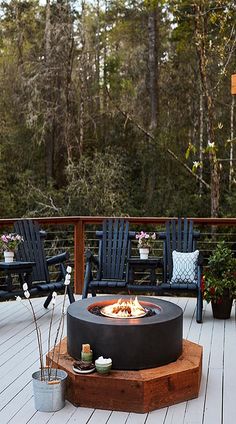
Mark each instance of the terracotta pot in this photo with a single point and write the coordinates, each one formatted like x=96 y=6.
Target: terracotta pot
x=222 y=309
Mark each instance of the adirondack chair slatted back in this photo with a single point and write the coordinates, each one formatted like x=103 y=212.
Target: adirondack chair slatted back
x=32 y=250
x=113 y=248
x=179 y=236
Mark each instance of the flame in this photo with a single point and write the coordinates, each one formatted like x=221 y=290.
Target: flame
x=124 y=309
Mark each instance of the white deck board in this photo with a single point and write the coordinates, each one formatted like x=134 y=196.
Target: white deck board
x=118 y=417
x=216 y=403
x=100 y=416
x=136 y=418
x=81 y=416
x=157 y=417
x=229 y=377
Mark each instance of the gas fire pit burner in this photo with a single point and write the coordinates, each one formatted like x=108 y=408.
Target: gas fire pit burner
x=133 y=344
x=124 y=309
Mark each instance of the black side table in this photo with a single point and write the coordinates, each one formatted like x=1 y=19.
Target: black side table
x=23 y=269
x=151 y=264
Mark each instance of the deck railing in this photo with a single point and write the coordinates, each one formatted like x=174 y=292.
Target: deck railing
x=76 y=233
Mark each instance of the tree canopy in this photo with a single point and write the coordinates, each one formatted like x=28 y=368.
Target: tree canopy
x=117 y=107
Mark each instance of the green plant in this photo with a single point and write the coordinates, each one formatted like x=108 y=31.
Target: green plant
x=145 y=240
x=10 y=242
x=220 y=277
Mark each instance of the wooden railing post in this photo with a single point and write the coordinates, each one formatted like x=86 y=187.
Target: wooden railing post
x=79 y=256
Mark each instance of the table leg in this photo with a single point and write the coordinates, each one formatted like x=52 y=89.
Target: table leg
x=131 y=274
x=153 y=276
x=9 y=282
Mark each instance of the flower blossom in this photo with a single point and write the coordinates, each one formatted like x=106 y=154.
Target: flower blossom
x=27 y=294
x=67 y=280
x=54 y=296
x=25 y=286
x=145 y=239
x=196 y=164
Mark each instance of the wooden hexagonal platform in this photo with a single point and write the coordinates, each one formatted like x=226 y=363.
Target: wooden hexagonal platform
x=136 y=391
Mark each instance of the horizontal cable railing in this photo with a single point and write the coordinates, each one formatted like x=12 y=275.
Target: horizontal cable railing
x=75 y=234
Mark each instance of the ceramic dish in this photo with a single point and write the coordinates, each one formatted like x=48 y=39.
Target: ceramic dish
x=102 y=368
x=79 y=371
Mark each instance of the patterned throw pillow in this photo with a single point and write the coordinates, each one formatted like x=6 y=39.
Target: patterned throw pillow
x=184 y=267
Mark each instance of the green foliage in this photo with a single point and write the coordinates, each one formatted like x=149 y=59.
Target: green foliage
x=191 y=148
x=67 y=145
x=220 y=278
x=98 y=185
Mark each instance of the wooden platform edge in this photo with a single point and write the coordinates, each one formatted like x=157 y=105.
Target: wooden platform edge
x=136 y=391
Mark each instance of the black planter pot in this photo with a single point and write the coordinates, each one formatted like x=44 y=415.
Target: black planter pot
x=222 y=310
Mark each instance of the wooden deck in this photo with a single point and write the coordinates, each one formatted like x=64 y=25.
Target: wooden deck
x=216 y=403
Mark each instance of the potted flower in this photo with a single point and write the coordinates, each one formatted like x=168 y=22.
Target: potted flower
x=9 y=244
x=219 y=281
x=49 y=383
x=145 y=242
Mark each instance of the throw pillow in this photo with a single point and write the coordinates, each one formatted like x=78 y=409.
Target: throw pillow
x=184 y=267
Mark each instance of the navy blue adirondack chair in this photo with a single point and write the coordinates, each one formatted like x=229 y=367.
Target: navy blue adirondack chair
x=181 y=237
x=32 y=250
x=111 y=262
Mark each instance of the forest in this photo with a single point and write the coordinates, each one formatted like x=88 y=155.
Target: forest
x=117 y=107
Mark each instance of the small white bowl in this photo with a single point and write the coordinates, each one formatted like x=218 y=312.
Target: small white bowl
x=102 y=364
x=102 y=368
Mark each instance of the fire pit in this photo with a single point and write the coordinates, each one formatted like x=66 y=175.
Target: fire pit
x=124 y=309
x=151 y=339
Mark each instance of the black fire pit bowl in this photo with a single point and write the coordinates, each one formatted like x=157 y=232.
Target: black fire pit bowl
x=132 y=344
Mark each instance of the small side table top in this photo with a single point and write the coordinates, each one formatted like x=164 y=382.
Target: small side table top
x=150 y=264
x=16 y=265
x=23 y=269
x=151 y=261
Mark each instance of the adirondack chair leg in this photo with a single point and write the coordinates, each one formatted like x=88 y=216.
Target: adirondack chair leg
x=87 y=279
x=84 y=294
x=199 y=307
x=48 y=300
x=85 y=289
x=70 y=295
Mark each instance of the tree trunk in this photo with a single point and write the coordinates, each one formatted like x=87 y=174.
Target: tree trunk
x=97 y=57
x=153 y=24
x=82 y=78
x=19 y=41
x=48 y=133
x=200 y=33
x=201 y=127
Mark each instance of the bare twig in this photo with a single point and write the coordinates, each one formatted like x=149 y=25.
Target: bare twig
x=152 y=137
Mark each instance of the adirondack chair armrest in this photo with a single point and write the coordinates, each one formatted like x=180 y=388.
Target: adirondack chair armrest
x=58 y=259
x=161 y=236
x=91 y=258
x=196 y=234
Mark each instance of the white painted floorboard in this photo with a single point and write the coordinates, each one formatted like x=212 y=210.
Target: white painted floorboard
x=216 y=403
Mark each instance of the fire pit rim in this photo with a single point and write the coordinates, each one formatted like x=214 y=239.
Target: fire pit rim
x=82 y=306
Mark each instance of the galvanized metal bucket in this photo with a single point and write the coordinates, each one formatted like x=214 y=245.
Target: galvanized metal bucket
x=49 y=396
